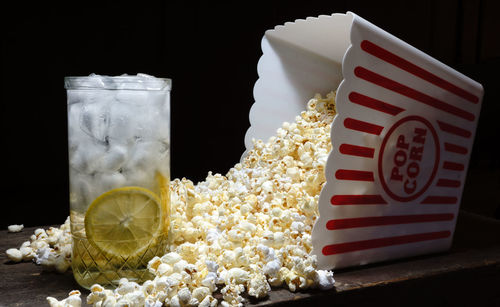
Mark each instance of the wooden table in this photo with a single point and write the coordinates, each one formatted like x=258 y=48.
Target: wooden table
x=467 y=275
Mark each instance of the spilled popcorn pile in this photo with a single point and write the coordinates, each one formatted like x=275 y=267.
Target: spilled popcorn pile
x=50 y=248
x=246 y=231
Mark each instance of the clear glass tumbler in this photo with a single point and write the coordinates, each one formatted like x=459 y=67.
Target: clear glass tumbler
x=119 y=171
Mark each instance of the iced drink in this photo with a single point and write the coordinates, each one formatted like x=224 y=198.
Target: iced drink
x=119 y=171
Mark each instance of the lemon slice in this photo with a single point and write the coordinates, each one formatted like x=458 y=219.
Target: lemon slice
x=124 y=221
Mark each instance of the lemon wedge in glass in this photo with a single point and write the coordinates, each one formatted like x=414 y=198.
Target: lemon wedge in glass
x=124 y=221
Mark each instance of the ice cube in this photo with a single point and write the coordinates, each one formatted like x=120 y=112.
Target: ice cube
x=113 y=159
x=138 y=115
x=95 y=119
x=110 y=181
x=139 y=177
x=145 y=154
x=123 y=122
x=86 y=156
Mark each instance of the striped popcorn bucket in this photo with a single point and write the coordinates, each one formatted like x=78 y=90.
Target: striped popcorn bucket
x=401 y=140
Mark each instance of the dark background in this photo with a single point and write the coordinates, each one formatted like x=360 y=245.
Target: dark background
x=210 y=50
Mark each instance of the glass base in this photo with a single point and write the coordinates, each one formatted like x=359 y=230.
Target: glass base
x=92 y=266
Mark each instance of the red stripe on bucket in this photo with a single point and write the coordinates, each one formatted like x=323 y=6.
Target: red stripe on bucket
x=374 y=104
x=440 y=200
x=362 y=126
x=455 y=148
x=418 y=71
x=448 y=183
x=338 y=200
x=347 y=247
x=347 y=174
x=453 y=166
x=387 y=220
x=454 y=129
x=409 y=92
x=359 y=151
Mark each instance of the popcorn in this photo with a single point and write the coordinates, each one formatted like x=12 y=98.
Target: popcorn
x=164 y=269
x=152 y=303
x=154 y=264
x=127 y=287
x=15 y=228
x=180 y=266
x=258 y=286
x=208 y=301
x=148 y=287
x=110 y=301
x=210 y=281
x=40 y=244
x=96 y=295
x=212 y=266
x=73 y=300
x=62 y=263
x=41 y=234
x=201 y=293
x=272 y=268
x=171 y=258
x=184 y=295
x=294 y=281
x=44 y=255
x=134 y=298
x=14 y=255
x=231 y=295
x=235 y=276
x=325 y=279
x=50 y=248
x=27 y=253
